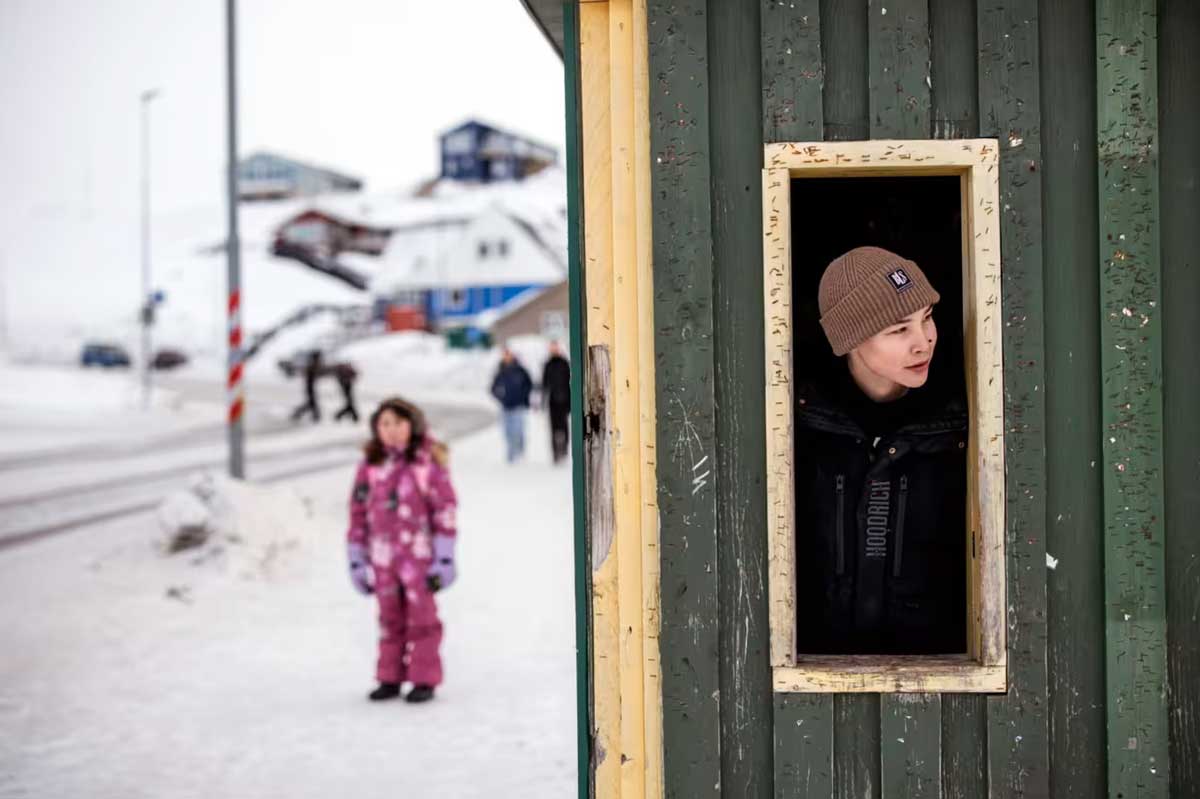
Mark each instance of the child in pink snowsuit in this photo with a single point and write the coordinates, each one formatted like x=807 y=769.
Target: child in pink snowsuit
x=401 y=545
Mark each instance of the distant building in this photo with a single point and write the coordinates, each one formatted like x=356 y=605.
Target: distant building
x=537 y=312
x=459 y=271
x=487 y=236
x=327 y=234
x=316 y=237
x=265 y=176
x=477 y=152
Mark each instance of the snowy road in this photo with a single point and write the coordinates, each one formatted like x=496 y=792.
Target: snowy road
x=129 y=674
x=48 y=490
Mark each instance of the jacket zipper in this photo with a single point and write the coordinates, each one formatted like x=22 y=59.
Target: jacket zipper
x=841 y=524
x=900 y=526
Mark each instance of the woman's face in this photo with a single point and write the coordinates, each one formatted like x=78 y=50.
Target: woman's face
x=394 y=430
x=896 y=358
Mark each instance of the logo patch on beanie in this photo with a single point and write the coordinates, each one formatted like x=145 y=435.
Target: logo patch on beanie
x=900 y=280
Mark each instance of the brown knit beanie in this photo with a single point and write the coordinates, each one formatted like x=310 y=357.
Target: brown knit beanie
x=867 y=290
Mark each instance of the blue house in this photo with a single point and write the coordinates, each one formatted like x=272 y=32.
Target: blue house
x=477 y=152
x=463 y=271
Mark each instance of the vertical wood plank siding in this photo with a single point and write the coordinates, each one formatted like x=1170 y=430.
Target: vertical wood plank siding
x=684 y=365
x=792 y=111
x=898 y=68
x=844 y=94
x=803 y=745
x=1008 y=110
x=1074 y=499
x=1179 y=123
x=954 y=112
x=910 y=740
x=910 y=732
x=735 y=102
x=725 y=76
x=955 y=115
x=964 y=746
x=856 y=746
x=1131 y=396
x=791 y=70
x=847 y=112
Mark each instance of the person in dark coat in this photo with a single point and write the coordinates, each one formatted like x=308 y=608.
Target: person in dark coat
x=512 y=387
x=556 y=399
x=346 y=374
x=312 y=370
x=880 y=471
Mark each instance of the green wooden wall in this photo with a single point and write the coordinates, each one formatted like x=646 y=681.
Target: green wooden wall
x=1096 y=104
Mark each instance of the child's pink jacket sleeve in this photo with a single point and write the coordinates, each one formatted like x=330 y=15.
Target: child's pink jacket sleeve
x=359 y=495
x=443 y=502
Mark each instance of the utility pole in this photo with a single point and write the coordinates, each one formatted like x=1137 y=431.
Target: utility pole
x=146 y=307
x=234 y=255
x=3 y=303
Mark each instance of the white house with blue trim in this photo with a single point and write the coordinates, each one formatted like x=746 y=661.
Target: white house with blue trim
x=465 y=252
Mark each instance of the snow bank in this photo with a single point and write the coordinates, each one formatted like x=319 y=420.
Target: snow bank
x=246 y=530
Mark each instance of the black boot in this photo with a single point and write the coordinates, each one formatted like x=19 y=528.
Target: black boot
x=420 y=693
x=386 y=690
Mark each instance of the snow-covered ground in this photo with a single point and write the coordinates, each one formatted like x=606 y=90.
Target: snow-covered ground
x=242 y=673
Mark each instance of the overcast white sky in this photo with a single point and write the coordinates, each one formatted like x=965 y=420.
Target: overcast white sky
x=359 y=85
x=362 y=86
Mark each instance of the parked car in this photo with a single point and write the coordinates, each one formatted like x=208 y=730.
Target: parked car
x=104 y=355
x=168 y=359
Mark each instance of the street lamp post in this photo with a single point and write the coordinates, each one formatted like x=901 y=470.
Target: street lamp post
x=146 y=307
x=233 y=246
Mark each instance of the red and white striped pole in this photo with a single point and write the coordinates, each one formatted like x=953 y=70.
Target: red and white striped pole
x=233 y=243
x=234 y=387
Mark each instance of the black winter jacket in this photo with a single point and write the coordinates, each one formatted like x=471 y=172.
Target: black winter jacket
x=556 y=382
x=512 y=386
x=880 y=520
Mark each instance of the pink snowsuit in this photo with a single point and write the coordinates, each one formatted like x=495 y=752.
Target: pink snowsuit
x=396 y=508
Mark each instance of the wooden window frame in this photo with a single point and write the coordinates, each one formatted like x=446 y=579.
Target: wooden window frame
x=983 y=669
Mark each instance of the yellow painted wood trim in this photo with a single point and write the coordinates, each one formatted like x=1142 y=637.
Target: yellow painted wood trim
x=627 y=453
x=777 y=322
x=985 y=359
x=975 y=161
x=627 y=694
x=865 y=674
x=598 y=228
x=651 y=563
x=847 y=159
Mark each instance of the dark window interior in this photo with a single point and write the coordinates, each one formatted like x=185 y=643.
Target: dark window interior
x=920 y=219
x=916 y=217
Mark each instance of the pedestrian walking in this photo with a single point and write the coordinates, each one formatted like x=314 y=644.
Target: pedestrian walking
x=512 y=387
x=312 y=370
x=346 y=374
x=401 y=546
x=556 y=400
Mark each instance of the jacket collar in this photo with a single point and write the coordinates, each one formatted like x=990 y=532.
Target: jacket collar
x=817 y=407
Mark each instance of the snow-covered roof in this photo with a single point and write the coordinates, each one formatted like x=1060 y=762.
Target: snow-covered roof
x=435 y=238
x=495 y=247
